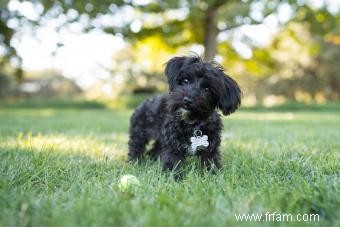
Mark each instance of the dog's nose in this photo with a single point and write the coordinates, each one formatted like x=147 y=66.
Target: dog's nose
x=187 y=101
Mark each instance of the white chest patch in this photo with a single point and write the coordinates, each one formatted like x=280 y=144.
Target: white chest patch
x=198 y=142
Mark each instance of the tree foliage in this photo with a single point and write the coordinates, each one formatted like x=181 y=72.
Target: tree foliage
x=178 y=22
x=299 y=63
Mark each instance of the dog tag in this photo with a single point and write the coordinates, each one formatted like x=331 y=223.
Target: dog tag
x=198 y=141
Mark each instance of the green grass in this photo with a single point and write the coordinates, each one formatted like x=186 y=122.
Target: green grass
x=61 y=167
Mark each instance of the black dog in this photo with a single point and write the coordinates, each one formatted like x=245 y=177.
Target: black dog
x=185 y=122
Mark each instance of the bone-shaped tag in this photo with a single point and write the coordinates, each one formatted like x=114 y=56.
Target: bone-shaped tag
x=199 y=141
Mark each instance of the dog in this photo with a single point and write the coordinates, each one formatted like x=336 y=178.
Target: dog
x=185 y=121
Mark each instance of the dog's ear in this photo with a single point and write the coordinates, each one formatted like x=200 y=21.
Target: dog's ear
x=174 y=66
x=230 y=98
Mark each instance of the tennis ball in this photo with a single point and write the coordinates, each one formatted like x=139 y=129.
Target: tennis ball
x=128 y=182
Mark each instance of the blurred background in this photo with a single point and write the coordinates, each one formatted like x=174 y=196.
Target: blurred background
x=113 y=52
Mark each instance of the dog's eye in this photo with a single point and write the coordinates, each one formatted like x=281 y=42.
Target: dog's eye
x=185 y=81
x=206 y=89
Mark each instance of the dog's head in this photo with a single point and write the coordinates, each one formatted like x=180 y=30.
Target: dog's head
x=198 y=88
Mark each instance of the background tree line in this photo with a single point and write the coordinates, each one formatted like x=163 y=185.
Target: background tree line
x=299 y=63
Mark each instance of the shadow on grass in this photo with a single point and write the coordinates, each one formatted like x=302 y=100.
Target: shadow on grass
x=130 y=102
x=295 y=106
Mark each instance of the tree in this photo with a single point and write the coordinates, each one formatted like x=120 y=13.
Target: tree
x=201 y=21
x=197 y=21
x=6 y=34
x=300 y=63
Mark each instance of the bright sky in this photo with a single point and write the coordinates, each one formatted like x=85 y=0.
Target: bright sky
x=82 y=55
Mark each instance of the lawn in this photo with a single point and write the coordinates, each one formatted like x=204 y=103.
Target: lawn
x=61 y=167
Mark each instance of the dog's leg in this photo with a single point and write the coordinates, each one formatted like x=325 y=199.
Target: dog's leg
x=212 y=160
x=155 y=150
x=172 y=162
x=137 y=143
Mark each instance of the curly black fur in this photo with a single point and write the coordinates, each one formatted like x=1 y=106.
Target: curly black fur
x=196 y=90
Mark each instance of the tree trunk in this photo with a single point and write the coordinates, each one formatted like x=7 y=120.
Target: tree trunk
x=210 y=33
